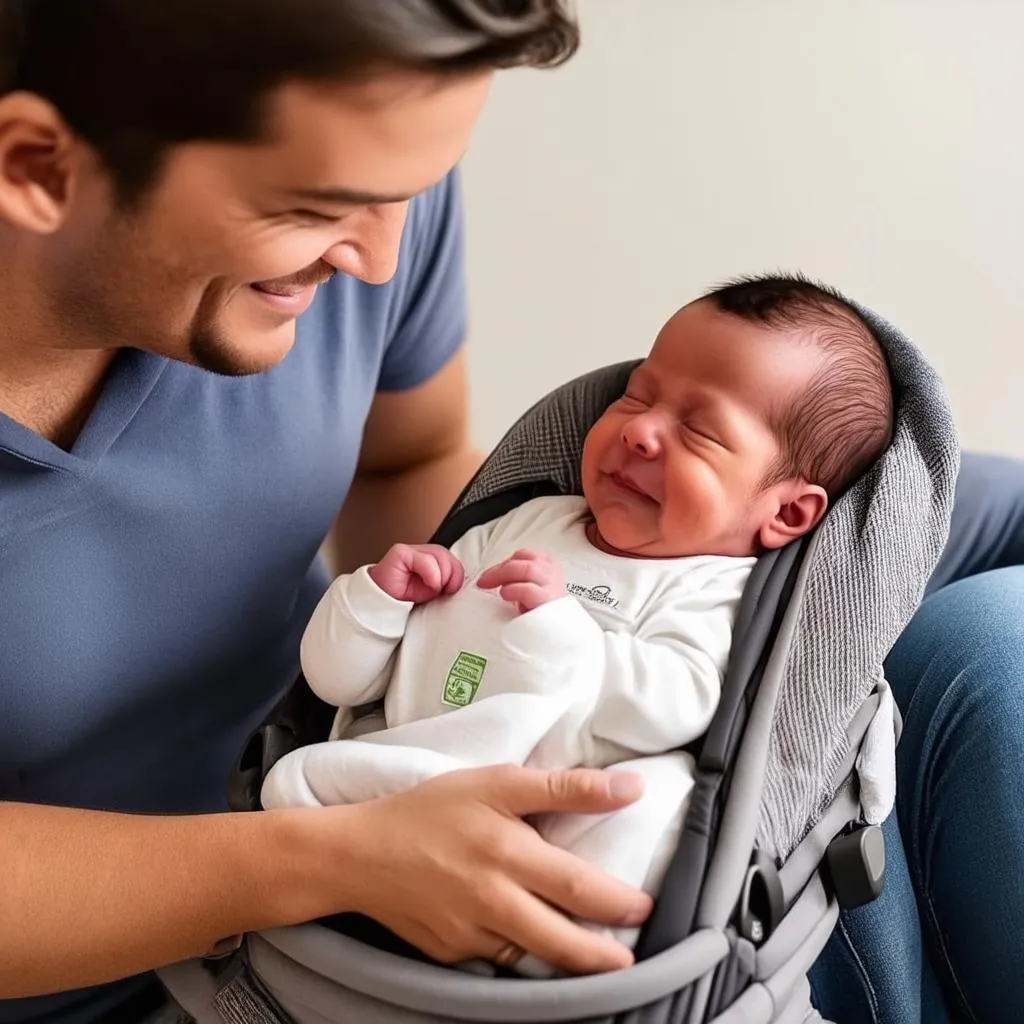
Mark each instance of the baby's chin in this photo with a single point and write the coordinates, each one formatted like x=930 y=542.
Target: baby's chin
x=616 y=538
x=616 y=535
x=601 y=542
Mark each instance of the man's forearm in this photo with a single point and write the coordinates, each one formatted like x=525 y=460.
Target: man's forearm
x=405 y=507
x=88 y=897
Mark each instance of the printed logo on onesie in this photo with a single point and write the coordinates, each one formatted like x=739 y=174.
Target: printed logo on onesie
x=601 y=594
x=464 y=678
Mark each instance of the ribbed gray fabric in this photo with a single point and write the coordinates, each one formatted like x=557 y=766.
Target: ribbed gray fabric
x=242 y=1002
x=879 y=545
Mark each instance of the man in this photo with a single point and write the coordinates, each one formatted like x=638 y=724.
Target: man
x=179 y=181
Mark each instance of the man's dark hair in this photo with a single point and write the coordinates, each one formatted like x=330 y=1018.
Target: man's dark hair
x=135 y=77
x=834 y=429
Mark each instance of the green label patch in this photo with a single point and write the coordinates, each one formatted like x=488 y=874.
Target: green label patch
x=463 y=680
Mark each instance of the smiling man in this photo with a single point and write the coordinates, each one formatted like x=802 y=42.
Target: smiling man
x=180 y=180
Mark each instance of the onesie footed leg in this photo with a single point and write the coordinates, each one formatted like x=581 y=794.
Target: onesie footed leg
x=350 y=772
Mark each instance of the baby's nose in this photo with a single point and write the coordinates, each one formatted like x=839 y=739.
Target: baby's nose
x=642 y=435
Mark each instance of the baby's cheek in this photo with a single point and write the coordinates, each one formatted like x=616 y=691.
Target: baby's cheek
x=595 y=446
x=699 y=498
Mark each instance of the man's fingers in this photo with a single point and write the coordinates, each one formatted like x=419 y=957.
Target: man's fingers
x=541 y=930
x=576 y=887
x=523 y=791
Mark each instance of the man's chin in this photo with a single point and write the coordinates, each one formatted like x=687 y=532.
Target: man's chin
x=260 y=351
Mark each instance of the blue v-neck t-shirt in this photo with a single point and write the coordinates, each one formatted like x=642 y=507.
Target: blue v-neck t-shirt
x=156 y=579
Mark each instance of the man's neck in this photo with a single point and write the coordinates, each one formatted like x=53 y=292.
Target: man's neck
x=51 y=391
x=51 y=373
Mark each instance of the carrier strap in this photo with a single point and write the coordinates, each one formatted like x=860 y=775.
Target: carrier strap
x=244 y=1001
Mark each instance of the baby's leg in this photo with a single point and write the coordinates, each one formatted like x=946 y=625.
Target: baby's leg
x=500 y=729
x=349 y=772
x=635 y=844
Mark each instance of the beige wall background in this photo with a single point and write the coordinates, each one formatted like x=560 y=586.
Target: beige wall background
x=877 y=144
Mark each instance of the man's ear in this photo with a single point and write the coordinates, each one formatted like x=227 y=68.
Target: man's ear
x=39 y=156
x=798 y=508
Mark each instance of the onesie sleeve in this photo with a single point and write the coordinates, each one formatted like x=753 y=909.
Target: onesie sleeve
x=350 y=639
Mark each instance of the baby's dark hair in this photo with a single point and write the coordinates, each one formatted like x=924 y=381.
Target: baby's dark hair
x=838 y=426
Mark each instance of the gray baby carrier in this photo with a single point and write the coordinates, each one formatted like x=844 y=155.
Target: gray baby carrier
x=775 y=840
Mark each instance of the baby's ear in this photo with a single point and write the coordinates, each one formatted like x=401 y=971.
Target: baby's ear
x=798 y=508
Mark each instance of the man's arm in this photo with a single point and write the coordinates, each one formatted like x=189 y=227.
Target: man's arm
x=88 y=896
x=415 y=459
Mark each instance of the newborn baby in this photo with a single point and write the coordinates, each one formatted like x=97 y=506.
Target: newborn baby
x=595 y=631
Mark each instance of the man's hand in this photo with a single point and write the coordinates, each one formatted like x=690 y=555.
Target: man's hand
x=418 y=572
x=88 y=896
x=450 y=866
x=528 y=579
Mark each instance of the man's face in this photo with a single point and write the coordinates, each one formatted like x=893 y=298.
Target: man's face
x=223 y=253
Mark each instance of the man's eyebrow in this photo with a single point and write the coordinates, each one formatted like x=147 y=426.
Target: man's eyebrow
x=347 y=196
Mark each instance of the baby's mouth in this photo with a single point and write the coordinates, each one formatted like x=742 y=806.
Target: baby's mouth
x=624 y=482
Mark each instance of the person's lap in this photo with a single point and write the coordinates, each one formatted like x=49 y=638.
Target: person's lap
x=958 y=675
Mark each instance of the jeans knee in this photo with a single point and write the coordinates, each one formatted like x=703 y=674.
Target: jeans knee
x=966 y=637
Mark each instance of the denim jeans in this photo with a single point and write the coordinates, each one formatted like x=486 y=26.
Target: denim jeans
x=941 y=945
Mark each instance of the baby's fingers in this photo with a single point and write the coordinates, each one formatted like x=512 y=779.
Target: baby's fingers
x=514 y=570
x=426 y=567
x=493 y=577
x=525 y=596
x=456 y=574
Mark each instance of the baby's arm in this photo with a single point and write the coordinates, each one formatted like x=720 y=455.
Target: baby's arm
x=362 y=618
x=662 y=685
x=350 y=640
x=658 y=686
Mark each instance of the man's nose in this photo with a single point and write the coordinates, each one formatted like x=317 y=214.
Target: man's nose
x=369 y=250
x=644 y=434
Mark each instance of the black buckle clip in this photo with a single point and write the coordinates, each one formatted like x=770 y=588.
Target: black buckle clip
x=761 y=901
x=856 y=864
x=264 y=748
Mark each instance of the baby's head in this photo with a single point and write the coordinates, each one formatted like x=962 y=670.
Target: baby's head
x=757 y=406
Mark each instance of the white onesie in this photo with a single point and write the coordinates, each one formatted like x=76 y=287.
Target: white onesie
x=621 y=672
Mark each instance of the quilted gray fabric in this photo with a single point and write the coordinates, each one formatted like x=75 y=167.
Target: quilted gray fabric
x=879 y=545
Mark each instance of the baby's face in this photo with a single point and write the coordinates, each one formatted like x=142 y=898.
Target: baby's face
x=677 y=466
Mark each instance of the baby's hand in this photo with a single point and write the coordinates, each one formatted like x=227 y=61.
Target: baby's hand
x=528 y=579
x=418 y=572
